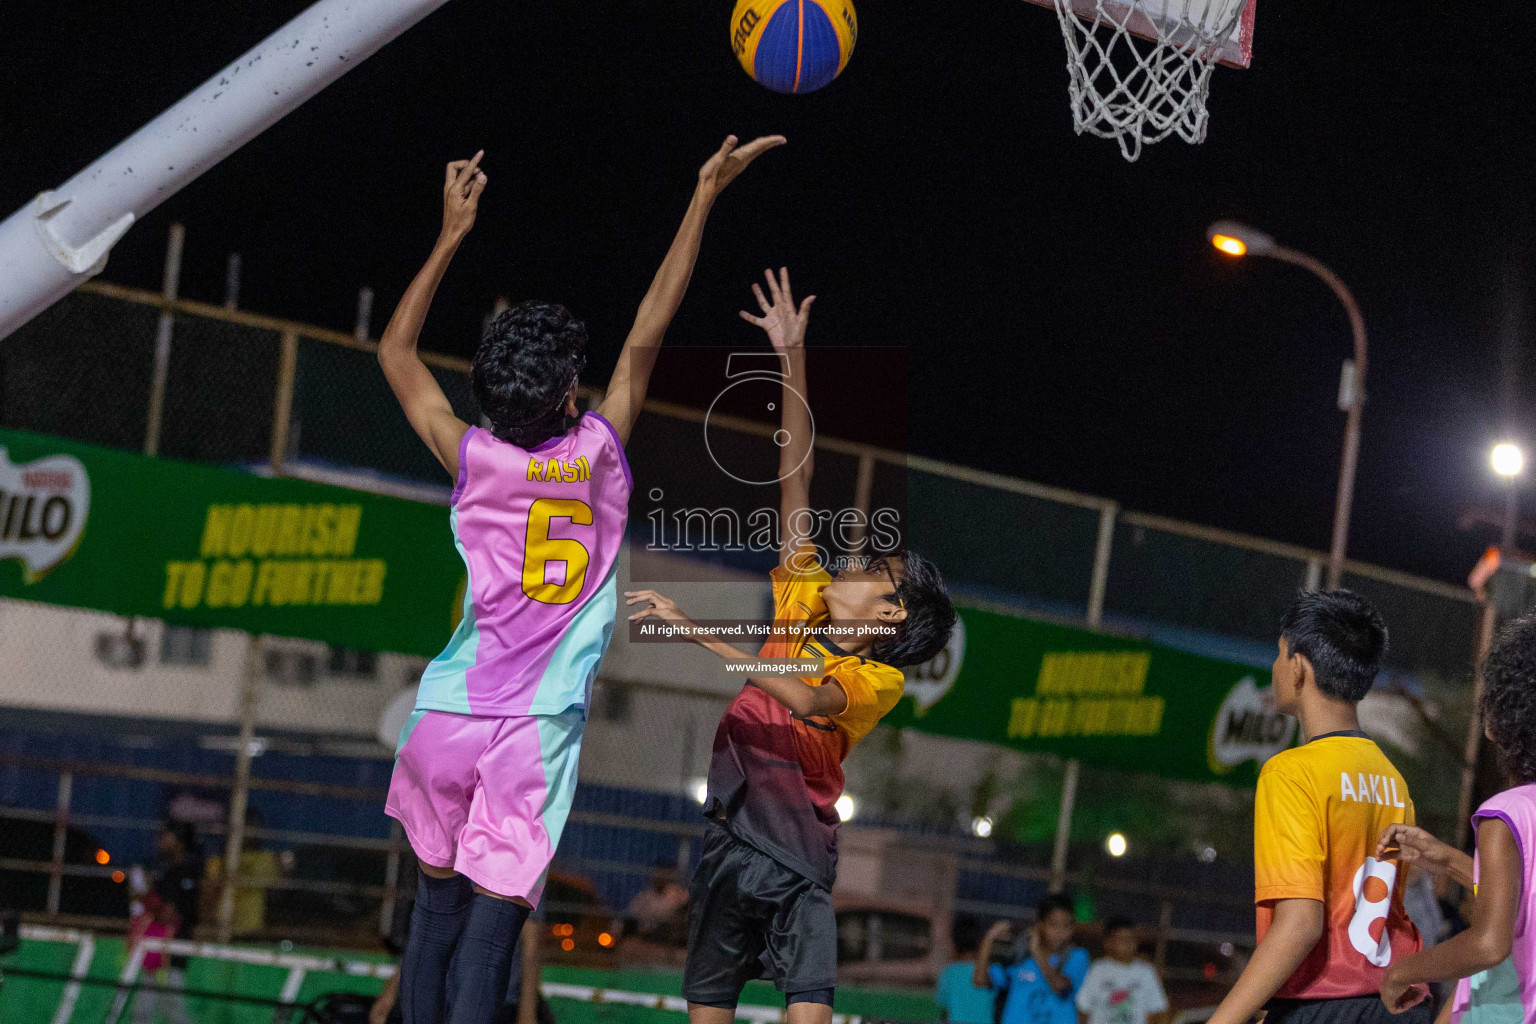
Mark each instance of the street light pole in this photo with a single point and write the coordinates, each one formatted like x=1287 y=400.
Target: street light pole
x=1508 y=461
x=1237 y=240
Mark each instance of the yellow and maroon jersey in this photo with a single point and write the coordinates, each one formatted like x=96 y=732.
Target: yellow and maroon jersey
x=1318 y=813
x=775 y=778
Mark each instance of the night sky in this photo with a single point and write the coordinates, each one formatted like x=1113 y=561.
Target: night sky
x=1064 y=318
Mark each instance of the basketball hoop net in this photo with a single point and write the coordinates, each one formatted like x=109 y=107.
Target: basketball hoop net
x=1141 y=69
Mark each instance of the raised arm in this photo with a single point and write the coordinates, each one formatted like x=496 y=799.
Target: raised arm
x=632 y=376
x=981 y=970
x=785 y=324
x=425 y=405
x=801 y=698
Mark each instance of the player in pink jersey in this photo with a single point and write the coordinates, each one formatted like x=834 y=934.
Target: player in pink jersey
x=1494 y=960
x=486 y=766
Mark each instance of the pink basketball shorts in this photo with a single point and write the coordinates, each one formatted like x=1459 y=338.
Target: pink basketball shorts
x=487 y=797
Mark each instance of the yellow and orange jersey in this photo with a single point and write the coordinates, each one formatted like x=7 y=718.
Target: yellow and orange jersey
x=775 y=779
x=799 y=610
x=1318 y=813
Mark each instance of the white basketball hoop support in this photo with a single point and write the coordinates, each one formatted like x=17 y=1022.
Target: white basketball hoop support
x=62 y=237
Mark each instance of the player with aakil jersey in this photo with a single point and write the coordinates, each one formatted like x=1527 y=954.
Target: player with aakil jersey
x=486 y=767
x=1330 y=913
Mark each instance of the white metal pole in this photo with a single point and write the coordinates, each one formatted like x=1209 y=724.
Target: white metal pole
x=1064 y=825
x=364 y=319
x=234 y=838
x=1098 y=586
x=232 y=282
x=60 y=837
x=62 y=237
x=169 y=288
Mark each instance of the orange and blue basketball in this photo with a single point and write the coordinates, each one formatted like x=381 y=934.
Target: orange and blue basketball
x=794 y=45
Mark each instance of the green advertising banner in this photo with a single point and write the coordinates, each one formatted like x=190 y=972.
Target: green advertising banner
x=1114 y=702
x=219 y=548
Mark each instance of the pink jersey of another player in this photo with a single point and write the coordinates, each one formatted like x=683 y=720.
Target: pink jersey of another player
x=539 y=530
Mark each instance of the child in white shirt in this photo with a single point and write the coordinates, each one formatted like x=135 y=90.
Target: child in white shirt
x=1120 y=989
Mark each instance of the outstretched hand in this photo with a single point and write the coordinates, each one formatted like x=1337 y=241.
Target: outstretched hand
x=462 y=185
x=1412 y=845
x=730 y=160
x=656 y=605
x=782 y=320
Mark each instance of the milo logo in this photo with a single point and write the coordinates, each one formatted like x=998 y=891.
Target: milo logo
x=1248 y=728
x=930 y=681
x=43 y=505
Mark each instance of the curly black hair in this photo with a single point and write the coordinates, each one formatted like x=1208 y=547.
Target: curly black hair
x=1342 y=635
x=527 y=361
x=930 y=615
x=1509 y=697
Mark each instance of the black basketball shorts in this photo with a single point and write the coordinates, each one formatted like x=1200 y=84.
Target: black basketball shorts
x=1352 y=1010
x=750 y=917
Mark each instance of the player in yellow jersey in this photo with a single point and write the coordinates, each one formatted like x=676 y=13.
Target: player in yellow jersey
x=760 y=904
x=1330 y=914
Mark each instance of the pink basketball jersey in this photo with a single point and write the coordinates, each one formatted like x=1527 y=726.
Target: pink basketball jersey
x=539 y=530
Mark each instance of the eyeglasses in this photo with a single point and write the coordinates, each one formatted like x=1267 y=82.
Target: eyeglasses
x=885 y=564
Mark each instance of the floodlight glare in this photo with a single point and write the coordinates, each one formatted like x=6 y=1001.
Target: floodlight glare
x=845 y=807
x=1507 y=459
x=1116 y=845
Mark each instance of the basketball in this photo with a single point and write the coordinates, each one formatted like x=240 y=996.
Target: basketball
x=794 y=45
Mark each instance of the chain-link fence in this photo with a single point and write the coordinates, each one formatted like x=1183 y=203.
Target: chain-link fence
x=128 y=722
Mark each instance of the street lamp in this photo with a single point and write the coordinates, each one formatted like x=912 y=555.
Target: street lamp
x=1508 y=461
x=1238 y=239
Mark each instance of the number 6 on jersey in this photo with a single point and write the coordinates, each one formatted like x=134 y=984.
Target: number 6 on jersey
x=540 y=550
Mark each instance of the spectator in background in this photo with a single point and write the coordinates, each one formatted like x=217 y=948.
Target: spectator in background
x=1121 y=988
x=658 y=910
x=178 y=883
x=958 y=995
x=179 y=873
x=156 y=920
x=257 y=865
x=1042 y=988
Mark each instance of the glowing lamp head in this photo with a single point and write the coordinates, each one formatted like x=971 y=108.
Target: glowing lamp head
x=700 y=790
x=1116 y=845
x=1238 y=239
x=1507 y=459
x=846 y=807
x=981 y=827
x=1229 y=245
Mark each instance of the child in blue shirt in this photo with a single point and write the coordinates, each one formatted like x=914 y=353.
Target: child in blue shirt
x=1042 y=989
x=958 y=995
